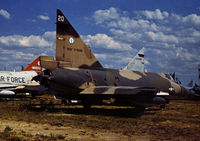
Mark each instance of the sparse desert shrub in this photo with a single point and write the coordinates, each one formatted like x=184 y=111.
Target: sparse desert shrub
x=52 y=136
x=60 y=137
x=7 y=129
x=46 y=128
x=7 y=132
x=14 y=139
x=39 y=135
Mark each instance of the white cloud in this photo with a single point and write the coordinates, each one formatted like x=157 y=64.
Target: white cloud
x=26 y=56
x=117 y=60
x=16 y=64
x=28 y=41
x=161 y=37
x=192 y=19
x=102 y=15
x=168 y=30
x=50 y=35
x=15 y=56
x=122 y=21
x=43 y=17
x=157 y=14
x=5 y=14
x=105 y=41
x=101 y=56
x=185 y=55
x=17 y=50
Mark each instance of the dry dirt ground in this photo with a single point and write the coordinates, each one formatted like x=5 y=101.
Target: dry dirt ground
x=180 y=120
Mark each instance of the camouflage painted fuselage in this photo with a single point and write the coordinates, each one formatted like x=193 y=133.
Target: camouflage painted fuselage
x=70 y=82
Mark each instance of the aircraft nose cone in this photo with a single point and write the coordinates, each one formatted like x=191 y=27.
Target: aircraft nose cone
x=177 y=88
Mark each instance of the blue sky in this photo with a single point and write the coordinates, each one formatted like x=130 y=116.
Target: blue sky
x=115 y=29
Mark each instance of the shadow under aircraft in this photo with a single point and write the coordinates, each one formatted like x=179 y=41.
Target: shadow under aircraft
x=77 y=77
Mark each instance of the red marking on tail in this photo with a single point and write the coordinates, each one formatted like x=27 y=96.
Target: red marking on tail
x=34 y=66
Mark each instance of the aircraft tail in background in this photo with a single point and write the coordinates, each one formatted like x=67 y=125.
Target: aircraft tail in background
x=137 y=63
x=190 y=84
x=34 y=66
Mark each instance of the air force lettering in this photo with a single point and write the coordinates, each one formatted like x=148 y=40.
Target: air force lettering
x=16 y=79
x=10 y=79
x=2 y=79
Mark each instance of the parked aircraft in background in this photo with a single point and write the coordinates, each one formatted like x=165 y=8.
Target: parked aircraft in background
x=34 y=66
x=11 y=82
x=136 y=63
x=76 y=75
x=194 y=88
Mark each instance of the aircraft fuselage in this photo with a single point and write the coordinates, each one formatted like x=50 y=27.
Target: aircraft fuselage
x=74 y=80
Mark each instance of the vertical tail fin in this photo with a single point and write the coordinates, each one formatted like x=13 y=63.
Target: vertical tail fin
x=71 y=51
x=34 y=66
x=190 y=84
x=137 y=63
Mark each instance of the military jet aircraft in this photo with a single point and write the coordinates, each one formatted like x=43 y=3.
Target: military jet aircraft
x=136 y=63
x=195 y=87
x=10 y=82
x=76 y=75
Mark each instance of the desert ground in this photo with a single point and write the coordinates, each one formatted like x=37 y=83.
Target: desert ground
x=20 y=121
